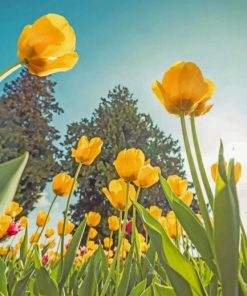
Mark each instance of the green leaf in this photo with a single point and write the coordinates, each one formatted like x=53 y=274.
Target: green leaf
x=3 y=279
x=226 y=231
x=179 y=269
x=36 y=258
x=46 y=286
x=20 y=287
x=160 y=290
x=125 y=276
x=24 y=246
x=191 y=225
x=147 y=292
x=139 y=288
x=70 y=254
x=10 y=175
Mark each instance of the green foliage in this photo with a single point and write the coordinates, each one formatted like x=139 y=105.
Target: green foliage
x=120 y=125
x=27 y=107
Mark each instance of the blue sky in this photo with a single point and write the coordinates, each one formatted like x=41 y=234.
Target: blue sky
x=132 y=43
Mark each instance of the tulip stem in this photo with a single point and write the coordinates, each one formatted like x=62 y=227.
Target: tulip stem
x=200 y=162
x=117 y=254
x=202 y=204
x=65 y=217
x=134 y=216
x=10 y=70
x=47 y=217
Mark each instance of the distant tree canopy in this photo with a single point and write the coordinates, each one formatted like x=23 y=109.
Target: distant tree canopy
x=120 y=125
x=27 y=107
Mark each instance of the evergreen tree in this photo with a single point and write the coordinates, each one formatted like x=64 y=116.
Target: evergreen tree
x=27 y=106
x=120 y=125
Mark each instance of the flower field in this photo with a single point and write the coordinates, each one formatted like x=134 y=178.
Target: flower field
x=146 y=251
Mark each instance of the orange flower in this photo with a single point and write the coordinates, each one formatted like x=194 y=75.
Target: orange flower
x=87 y=151
x=147 y=175
x=42 y=218
x=237 y=171
x=69 y=226
x=93 y=218
x=48 y=45
x=113 y=223
x=183 y=87
x=13 y=210
x=62 y=184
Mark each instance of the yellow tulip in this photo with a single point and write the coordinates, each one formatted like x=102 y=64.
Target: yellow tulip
x=202 y=108
x=173 y=226
x=144 y=247
x=52 y=243
x=177 y=184
x=183 y=87
x=87 y=151
x=24 y=221
x=91 y=245
x=147 y=176
x=155 y=211
x=13 y=209
x=237 y=171
x=93 y=218
x=34 y=237
x=62 y=184
x=117 y=194
x=113 y=223
x=4 y=250
x=128 y=163
x=48 y=45
x=69 y=226
x=41 y=218
x=108 y=242
x=92 y=233
x=5 y=221
x=49 y=232
x=186 y=197
x=126 y=245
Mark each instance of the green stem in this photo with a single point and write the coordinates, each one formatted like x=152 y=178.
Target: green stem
x=134 y=216
x=117 y=254
x=202 y=204
x=65 y=216
x=109 y=248
x=119 y=237
x=200 y=162
x=47 y=217
x=10 y=70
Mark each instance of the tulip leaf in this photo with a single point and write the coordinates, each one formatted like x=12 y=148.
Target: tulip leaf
x=125 y=276
x=24 y=246
x=45 y=285
x=139 y=288
x=20 y=286
x=147 y=292
x=191 y=225
x=181 y=272
x=226 y=231
x=70 y=254
x=160 y=290
x=10 y=175
x=3 y=279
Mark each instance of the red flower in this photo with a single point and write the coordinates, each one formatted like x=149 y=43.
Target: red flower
x=14 y=228
x=128 y=228
x=45 y=259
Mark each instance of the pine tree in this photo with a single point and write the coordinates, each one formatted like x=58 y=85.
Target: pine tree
x=27 y=106
x=120 y=125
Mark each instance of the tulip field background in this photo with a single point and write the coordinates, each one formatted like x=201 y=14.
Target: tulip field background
x=125 y=48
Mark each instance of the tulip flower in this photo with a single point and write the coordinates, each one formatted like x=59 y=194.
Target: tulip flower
x=34 y=237
x=48 y=46
x=5 y=222
x=117 y=194
x=182 y=88
x=108 y=242
x=45 y=259
x=62 y=184
x=128 y=163
x=155 y=211
x=49 y=232
x=69 y=226
x=177 y=184
x=13 y=209
x=92 y=233
x=147 y=176
x=24 y=221
x=14 y=228
x=86 y=150
x=93 y=219
x=237 y=171
x=113 y=223
x=202 y=108
x=173 y=226
x=42 y=218
x=128 y=227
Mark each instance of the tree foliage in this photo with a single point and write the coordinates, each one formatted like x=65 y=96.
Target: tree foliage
x=120 y=125
x=27 y=107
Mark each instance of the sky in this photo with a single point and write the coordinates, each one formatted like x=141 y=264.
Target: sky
x=132 y=43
